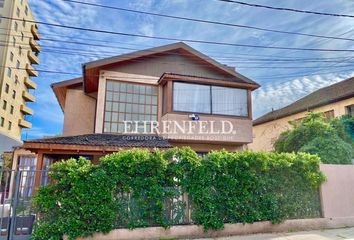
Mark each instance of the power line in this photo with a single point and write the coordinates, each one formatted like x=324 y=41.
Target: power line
x=85 y=53
x=288 y=9
x=184 y=40
x=207 y=21
x=215 y=56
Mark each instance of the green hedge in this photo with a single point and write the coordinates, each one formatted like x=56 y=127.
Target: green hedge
x=134 y=188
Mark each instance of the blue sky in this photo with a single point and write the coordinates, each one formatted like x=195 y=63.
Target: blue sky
x=280 y=86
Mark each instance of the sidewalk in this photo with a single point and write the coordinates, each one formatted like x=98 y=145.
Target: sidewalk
x=333 y=234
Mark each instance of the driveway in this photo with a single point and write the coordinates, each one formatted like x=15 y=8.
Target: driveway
x=333 y=234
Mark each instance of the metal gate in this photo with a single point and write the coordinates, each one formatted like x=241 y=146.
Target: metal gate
x=17 y=215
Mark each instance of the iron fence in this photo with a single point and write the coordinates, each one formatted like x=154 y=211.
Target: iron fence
x=17 y=215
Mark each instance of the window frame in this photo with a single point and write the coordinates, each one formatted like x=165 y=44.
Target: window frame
x=125 y=102
x=210 y=98
x=349 y=111
x=248 y=116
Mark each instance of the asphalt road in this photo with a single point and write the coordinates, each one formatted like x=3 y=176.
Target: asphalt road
x=333 y=234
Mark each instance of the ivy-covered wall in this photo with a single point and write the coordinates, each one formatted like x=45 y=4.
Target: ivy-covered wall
x=138 y=188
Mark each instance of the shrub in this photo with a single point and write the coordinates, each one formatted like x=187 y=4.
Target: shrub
x=314 y=135
x=330 y=149
x=135 y=188
x=247 y=187
x=348 y=123
x=78 y=202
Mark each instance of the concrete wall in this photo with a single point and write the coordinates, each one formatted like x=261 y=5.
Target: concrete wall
x=79 y=115
x=242 y=129
x=337 y=193
x=264 y=135
x=194 y=231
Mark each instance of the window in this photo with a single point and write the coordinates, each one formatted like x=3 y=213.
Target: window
x=14 y=41
x=28 y=164
x=13 y=94
x=24 y=23
x=18 y=64
x=16 y=80
x=129 y=102
x=229 y=101
x=20 y=50
x=350 y=110
x=328 y=115
x=191 y=98
x=208 y=99
x=16 y=26
x=22 y=36
x=2 y=3
x=12 y=109
x=9 y=72
x=4 y=104
x=11 y=56
x=18 y=12
x=10 y=125
x=26 y=10
x=2 y=121
x=7 y=87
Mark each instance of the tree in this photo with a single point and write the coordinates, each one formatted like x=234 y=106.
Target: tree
x=330 y=140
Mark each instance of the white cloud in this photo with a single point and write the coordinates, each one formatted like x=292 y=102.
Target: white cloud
x=275 y=96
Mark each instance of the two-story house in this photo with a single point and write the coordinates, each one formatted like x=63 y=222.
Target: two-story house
x=156 y=98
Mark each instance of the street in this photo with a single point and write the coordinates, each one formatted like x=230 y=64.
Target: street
x=333 y=234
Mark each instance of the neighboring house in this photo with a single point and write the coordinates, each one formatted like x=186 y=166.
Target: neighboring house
x=172 y=83
x=333 y=101
x=16 y=58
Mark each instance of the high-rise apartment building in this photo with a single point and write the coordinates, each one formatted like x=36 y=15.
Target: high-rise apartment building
x=18 y=52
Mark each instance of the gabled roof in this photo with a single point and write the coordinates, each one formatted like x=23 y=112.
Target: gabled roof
x=91 y=69
x=333 y=93
x=60 y=89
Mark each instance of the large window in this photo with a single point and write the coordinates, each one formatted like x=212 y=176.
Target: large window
x=191 y=98
x=196 y=98
x=229 y=101
x=128 y=102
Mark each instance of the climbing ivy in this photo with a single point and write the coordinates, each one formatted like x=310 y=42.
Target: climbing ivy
x=135 y=188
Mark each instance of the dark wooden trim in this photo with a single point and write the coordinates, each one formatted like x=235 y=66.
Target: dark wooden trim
x=209 y=115
x=250 y=107
x=39 y=168
x=207 y=81
x=249 y=100
x=74 y=148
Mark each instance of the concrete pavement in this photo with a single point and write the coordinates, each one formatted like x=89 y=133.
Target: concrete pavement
x=332 y=234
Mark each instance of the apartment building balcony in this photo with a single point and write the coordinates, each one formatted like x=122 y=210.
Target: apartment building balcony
x=35 y=33
x=33 y=57
x=34 y=45
x=24 y=124
x=26 y=110
x=31 y=71
x=30 y=84
x=28 y=97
